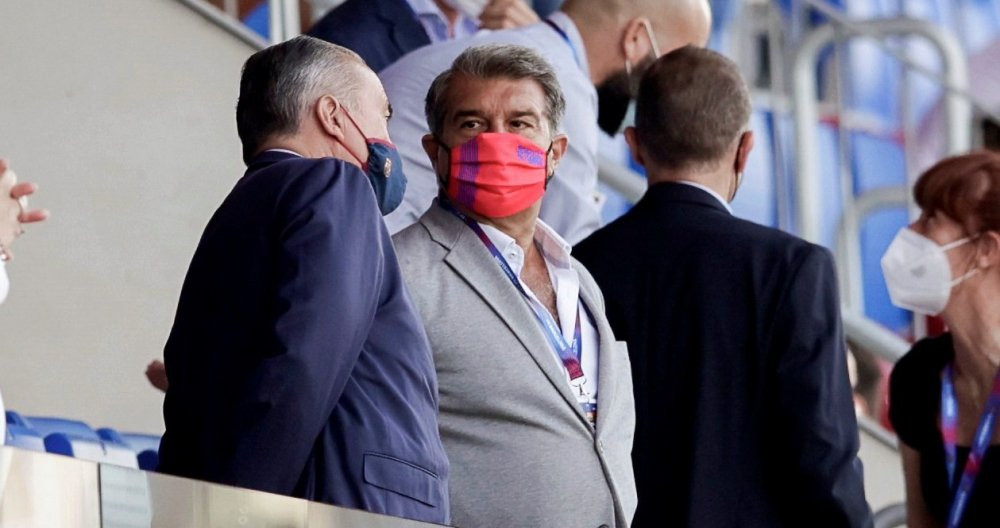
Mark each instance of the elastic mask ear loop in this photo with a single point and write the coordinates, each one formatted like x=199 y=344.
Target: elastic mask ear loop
x=654 y=47
x=548 y=157
x=739 y=175
x=363 y=162
x=446 y=179
x=954 y=244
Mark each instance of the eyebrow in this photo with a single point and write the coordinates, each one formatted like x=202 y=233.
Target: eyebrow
x=476 y=113
x=389 y=107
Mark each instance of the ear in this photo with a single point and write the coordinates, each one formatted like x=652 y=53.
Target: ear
x=743 y=151
x=329 y=115
x=559 y=145
x=433 y=149
x=989 y=250
x=636 y=44
x=632 y=138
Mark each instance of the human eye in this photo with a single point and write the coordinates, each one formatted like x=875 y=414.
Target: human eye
x=469 y=124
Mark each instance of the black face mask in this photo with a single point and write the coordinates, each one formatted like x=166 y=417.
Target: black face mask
x=615 y=94
x=613 y=97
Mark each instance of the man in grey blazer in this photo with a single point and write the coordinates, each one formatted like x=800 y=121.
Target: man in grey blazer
x=536 y=407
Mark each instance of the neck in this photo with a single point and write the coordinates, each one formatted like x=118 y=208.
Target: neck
x=308 y=148
x=520 y=227
x=974 y=323
x=713 y=180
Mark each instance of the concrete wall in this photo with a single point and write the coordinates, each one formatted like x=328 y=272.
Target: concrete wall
x=123 y=112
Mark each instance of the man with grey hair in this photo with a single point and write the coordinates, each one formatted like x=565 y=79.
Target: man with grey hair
x=598 y=48
x=744 y=410
x=297 y=363
x=536 y=399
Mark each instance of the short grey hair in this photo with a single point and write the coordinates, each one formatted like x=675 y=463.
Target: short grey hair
x=280 y=84
x=496 y=61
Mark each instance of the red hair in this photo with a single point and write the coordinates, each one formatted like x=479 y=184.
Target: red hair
x=966 y=188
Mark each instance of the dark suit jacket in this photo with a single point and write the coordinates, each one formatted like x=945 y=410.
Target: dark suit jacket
x=381 y=31
x=297 y=363
x=744 y=415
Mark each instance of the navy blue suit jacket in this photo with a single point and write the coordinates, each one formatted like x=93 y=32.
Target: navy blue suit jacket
x=744 y=415
x=297 y=362
x=381 y=31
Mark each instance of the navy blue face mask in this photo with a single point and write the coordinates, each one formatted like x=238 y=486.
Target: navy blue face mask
x=384 y=169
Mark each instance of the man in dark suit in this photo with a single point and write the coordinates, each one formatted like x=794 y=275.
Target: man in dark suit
x=297 y=362
x=382 y=31
x=744 y=415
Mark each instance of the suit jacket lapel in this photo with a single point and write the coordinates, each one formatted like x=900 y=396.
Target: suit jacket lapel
x=607 y=373
x=473 y=262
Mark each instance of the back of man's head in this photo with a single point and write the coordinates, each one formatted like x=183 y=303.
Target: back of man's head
x=280 y=84
x=693 y=106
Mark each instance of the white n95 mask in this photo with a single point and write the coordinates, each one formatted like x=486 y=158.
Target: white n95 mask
x=4 y=282
x=469 y=8
x=917 y=272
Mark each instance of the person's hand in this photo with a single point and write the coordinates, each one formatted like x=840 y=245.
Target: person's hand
x=14 y=208
x=505 y=14
x=156 y=373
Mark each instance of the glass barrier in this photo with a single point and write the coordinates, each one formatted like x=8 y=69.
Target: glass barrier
x=41 y=490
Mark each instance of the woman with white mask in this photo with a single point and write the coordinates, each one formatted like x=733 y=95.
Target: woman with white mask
x=945 y=393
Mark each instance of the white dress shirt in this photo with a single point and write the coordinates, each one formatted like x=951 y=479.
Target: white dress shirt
x=711 y=191
x=566 y=284
x=436 y=24
x=569 y=205
x=286 y=151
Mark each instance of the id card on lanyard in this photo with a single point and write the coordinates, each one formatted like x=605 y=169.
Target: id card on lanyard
x=569 y=353
x=981 y=442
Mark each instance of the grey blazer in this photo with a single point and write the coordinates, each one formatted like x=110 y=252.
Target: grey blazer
x=522 y=452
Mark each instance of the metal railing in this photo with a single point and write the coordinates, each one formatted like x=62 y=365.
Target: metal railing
x=229 y=22
x=958 y=114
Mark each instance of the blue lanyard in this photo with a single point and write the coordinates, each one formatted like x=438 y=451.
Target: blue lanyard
x=565 y=36
x=569 y=353
x=949 y=430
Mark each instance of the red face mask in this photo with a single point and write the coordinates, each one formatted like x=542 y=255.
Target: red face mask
x=497 y=174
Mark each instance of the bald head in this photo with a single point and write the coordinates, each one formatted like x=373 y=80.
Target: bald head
x=693 y=106
x=675 y=23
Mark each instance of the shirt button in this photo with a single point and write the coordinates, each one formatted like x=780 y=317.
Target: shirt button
x=600 y=447
x=603 y=526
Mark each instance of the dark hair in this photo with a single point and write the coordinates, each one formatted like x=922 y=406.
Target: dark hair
x=496 y=61
x=692 y=105
x=966 y=188
x=281 y=82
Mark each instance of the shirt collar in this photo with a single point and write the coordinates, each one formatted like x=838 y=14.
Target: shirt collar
x=710 y=191
x=566 y=24
x=554 y=248
x=286 y=151
x=464 y=26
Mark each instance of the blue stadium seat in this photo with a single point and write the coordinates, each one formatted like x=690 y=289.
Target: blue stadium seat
x=75 y=446
x=24 y=438
x=14 y=418
x=46 y=425
x=978 y=23
x=77 y=439
x=148 y=449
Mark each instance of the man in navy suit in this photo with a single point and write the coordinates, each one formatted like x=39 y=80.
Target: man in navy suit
x=744 y=415
x=297 y=363
x=382 y=31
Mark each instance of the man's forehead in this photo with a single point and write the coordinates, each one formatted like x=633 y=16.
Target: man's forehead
x=509 y=96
